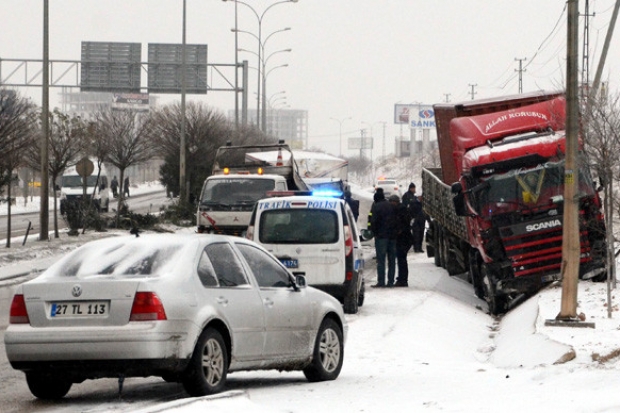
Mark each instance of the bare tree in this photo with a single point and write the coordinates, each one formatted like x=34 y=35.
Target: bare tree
x=67 y=138
x=17 y=130
x=124 y=137
x=206 y=130
x=602 y=123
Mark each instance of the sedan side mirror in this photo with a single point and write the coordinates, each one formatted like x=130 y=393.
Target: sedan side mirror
x=300 y=280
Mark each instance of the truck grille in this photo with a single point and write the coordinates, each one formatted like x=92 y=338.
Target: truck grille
x=535 y=247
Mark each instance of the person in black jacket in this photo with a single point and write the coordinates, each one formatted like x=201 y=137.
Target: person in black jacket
x=383 y=225
x=414 y=206
x=354 y=204
x=404 y=240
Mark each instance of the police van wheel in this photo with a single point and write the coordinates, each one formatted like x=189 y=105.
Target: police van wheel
x=351 y=298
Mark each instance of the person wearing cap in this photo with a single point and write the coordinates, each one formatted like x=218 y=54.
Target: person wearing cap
x=414 y=206
x=382 y=222
x=404 y=240
x=354 y=204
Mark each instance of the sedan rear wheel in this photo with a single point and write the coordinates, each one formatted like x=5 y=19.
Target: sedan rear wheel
x=208 y=367
x=328 y=353
x=47 y=387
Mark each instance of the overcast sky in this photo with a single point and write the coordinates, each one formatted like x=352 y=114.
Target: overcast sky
x=350 y=58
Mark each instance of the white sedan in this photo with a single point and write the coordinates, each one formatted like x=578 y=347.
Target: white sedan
x=189 y=308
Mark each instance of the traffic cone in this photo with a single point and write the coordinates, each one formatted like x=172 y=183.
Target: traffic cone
x=279 y=160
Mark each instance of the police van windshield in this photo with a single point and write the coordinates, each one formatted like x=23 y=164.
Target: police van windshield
x=73 y=181
x=298 y=226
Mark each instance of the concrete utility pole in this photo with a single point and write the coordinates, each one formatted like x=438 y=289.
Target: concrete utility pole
x=472 y=93
x=601 y=64
x=520 y=70
x=570 y=236
x=45 y=185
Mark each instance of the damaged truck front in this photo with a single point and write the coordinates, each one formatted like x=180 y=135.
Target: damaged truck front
x=497 y=203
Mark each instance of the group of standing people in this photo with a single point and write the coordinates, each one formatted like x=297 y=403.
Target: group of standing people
x=397 y=226
x=115 y=187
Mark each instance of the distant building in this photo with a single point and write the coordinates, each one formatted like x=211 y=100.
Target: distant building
x=86 y=103
x=288 y=124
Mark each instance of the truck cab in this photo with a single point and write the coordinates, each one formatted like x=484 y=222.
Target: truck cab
x=497 y=204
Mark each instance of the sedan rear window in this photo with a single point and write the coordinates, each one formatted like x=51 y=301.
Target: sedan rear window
x=298 y=226
x=130 y=259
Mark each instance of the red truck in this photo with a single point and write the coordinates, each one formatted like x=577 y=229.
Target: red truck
x=496 y=203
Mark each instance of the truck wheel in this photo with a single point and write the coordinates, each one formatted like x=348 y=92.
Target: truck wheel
x=436 y=247
x=474 y=273
x=452 y=265
x=444 y=249
x=429 y=238
x=497 y=302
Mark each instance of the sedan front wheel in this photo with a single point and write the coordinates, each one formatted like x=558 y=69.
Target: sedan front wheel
x=328 y=353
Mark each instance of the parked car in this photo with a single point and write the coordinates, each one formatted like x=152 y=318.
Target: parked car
x=314 y=236
x=189 y=308
x=390 y=186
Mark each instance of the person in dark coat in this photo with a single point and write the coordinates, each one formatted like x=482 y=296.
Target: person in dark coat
x=114 y=186
x=354 y=204
x=126 y=187
x=383 y=226
x=414 y=206
x=404 y=241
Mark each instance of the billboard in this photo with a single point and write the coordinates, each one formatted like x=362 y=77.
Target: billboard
x=360 y=143
x=417 y=116
x=165 y=62
x=401 y=114
x=107 y=66
x=138 y=102
x=423 y=117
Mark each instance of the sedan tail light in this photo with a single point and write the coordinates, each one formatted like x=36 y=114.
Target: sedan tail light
x=18 y=314
x=147 y=307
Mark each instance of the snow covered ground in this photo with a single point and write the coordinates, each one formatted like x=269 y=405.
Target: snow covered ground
x=430 y=347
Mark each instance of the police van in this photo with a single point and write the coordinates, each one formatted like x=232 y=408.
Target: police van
x=314 y=236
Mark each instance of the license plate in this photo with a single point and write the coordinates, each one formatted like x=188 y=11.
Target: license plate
x=80 y=309
x=290 y=263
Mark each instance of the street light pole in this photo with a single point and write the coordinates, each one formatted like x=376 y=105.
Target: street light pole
x=182 y=187
x=340 y=121
x=259 y=19
x=265 y=73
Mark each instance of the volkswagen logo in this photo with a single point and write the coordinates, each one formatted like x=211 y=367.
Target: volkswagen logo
x=76 y=291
